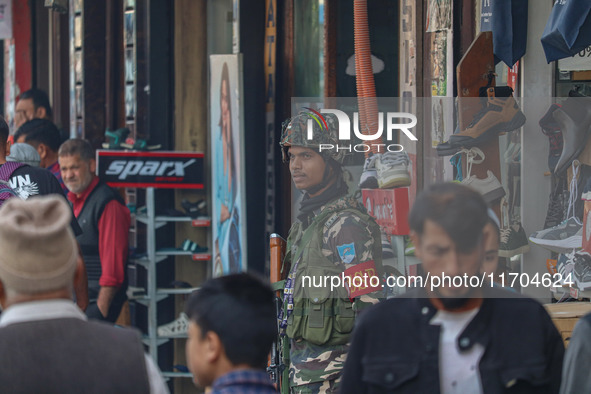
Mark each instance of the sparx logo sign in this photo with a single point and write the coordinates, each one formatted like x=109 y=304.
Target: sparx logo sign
x=123 y=169
x=387 y=122
x=151 y=169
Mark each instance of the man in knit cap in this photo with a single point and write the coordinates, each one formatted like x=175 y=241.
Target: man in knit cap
x=24 y=153
x=46 y=343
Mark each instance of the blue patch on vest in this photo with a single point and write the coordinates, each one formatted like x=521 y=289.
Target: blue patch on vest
x=346 y=252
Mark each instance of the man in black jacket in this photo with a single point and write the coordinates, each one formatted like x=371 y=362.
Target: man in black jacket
x=104 y=219
x=459 y=336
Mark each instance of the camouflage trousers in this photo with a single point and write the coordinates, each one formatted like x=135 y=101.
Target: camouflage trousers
x=328 y=386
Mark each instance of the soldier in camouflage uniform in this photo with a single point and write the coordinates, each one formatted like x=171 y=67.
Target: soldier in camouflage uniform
x=333 y=234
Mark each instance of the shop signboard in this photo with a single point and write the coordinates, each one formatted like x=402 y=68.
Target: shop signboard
x=158 y=169
x=389 y=207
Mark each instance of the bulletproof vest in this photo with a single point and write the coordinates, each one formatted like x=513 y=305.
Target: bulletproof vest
x=70 y=355
x=319 y=315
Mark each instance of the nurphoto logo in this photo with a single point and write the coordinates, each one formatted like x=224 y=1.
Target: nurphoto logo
x=393 y=121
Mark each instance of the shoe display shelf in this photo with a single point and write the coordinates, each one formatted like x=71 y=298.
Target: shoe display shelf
x=148 y=171
x=151 y=295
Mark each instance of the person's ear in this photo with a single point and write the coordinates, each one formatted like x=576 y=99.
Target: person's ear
x=42 y=150
x=214 y=347
x=7 y=148
x=41 y=113
x=92 y=165
x=415 y=238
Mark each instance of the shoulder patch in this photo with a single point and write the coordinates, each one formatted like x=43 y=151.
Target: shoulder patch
x=346 y=252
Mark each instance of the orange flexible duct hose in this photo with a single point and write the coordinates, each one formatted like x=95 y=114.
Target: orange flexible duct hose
x=366 y=89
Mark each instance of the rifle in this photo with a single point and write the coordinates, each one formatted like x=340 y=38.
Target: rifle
x=277 y=369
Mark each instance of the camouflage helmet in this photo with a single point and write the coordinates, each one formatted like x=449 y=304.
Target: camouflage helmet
x=324 y=131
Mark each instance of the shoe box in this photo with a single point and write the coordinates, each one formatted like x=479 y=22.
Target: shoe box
x=389 y=207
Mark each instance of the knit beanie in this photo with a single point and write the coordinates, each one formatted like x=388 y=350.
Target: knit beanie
x=24 y=153
x=38 y=249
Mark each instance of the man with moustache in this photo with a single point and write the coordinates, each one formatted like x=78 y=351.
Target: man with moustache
x=105 y=221
x=333 y=235
x=453 y=339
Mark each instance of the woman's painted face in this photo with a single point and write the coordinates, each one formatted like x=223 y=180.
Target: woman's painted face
x=225 y=105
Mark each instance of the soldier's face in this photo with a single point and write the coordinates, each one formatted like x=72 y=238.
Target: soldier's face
x=306 y=167
x=441 y=257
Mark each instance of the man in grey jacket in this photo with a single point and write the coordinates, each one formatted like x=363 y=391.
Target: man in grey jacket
x=46 y=343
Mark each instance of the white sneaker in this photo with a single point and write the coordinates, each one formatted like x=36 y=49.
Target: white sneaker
x=176 y=328
x=490 y=187
x=392 y=170
x=369 y=176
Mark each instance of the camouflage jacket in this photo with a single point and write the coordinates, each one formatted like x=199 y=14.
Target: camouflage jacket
x=349 y=236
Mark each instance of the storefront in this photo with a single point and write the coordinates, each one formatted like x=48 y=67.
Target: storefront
x=156 y=67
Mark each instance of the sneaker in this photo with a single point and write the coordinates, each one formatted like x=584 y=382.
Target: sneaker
x=392 y=170
x=190 y=246
x=551 y=128
x=447 y=149
x=490 y=187
x=409 y=249
x=369 y=176
x=500 y=114
x=582 y=270
x=548 y=124
x=556 y=204
x=194 y=209
x=565 y=265
x=115 y=138
x=513 y=241
x=574 y=118
x=176 y=328
x=387 y=251
x=139 y=144
x=565 y=236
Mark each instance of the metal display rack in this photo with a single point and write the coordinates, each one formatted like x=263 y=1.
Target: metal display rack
x=152 y=294
x=149 y=170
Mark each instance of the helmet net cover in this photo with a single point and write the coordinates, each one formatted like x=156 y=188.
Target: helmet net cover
x=295 y=133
